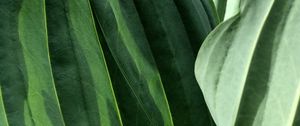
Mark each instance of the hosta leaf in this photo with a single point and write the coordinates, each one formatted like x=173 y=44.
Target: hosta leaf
x=127 y=42
x=79 y=67
x=248 y=68
x=25 y=73
x=175 y=58
x=3 y=118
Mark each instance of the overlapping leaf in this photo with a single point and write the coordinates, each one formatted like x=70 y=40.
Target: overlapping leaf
x=227 y=8
x=143 y=41
x=248 y=67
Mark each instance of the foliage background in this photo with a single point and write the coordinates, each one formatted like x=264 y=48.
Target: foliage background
x=102 y=62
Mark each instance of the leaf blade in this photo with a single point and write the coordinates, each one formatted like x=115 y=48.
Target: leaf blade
x=28 y=89
x=267 y=39
x=125 y=38
x=86 y=79
x=174 y=55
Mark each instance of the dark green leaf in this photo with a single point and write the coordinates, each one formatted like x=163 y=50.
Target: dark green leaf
x=194 y=16
x=79 y=67
x=127 y=42
x=27 y=84
x=174 y=56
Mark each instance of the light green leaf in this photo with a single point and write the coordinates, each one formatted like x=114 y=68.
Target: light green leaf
x=232 y=8
x=79 y=67
x=248 y=67
x=27 y=84
x=227 y=8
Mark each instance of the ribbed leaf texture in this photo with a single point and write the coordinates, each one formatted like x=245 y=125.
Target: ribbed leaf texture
x=27 y=84
x=102 y=62
x=248 y=68
x=79 y=68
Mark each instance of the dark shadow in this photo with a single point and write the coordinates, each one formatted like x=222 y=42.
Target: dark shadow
x=296 y=121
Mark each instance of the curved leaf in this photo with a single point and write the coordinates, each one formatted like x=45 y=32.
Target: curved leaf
x=248 y=67
x=79 y=67
x=26 y=77
x=227 y=8
x=232 y=8
x=128 y=44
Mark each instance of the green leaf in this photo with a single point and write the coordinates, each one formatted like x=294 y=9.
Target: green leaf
x=195 y=16
x=232 y=8
x=83 y=83
x=127 y=42
x=174 y=56
x=221 y=8
x=3 y=118
x=126 y=98
x=27 y=84
x=227 y=8
x=211 y=12
x=248 y=67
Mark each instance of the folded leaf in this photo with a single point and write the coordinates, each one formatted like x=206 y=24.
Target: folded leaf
x=248 y=68
x=83 y=84
x=25 y=73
